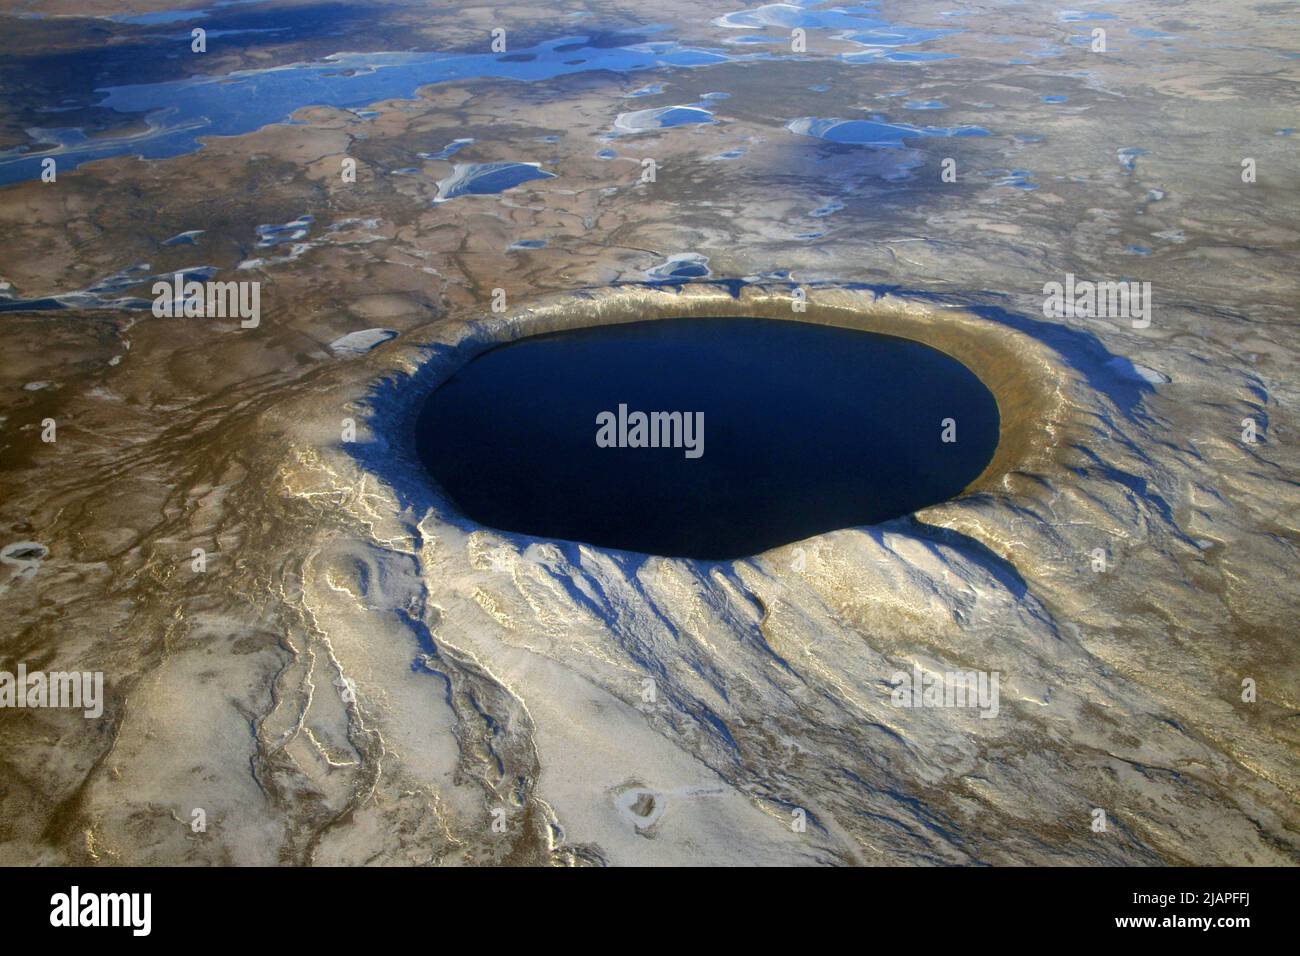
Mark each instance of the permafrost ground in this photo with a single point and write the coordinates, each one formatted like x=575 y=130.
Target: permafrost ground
x=350 y=673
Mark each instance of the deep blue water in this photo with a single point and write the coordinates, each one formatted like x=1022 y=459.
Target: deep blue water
x=483 y=179
x=806 y=429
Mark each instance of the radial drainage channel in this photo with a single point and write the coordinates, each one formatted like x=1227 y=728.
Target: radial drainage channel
x=710 y=438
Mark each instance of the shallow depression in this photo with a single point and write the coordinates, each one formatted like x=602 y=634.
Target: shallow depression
x=783 y=430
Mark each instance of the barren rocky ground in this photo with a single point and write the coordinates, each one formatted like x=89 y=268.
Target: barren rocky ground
x=353 y=673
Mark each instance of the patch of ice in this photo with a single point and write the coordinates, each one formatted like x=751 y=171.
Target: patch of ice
x=357 y=343
x=1126 y=368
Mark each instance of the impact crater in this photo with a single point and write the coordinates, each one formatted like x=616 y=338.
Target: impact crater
x=717 y=427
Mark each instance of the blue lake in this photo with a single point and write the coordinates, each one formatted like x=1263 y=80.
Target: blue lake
x=181 y=111
x=787 y=430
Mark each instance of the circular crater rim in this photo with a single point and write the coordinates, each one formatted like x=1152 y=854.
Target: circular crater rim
x=1026 y=377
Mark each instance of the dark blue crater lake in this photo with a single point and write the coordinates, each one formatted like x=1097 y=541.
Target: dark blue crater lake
x=782 y=430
